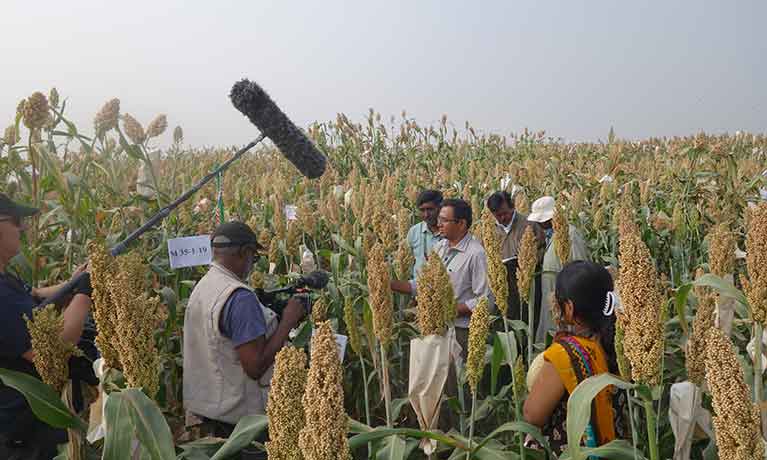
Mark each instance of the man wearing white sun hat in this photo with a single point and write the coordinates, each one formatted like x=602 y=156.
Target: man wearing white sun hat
x=542 y=213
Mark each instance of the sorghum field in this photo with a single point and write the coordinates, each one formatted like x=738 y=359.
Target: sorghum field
x=680 y=220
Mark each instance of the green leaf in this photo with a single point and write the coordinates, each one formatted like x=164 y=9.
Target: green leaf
x=509 y=344
x=619 y=449
x=356 y=426
x=120 y=430
x=151 y=428
x=579 y=408
x=517 y=427
x=246 y=430
x=362 y=439
x=396 y=407
x=496 y=361
x=723 y=287
x=680 y=302
x=43 y=400
x=393 y=448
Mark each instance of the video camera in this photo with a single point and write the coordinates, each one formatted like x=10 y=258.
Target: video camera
x=276 y=299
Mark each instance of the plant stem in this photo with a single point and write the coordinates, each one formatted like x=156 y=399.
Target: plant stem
x=386 y=387
x=631 y=422
x=758 y=332
x=652 y=437
x=517 y=404
x=471 y=422
x=530 y=324
x=367 y=404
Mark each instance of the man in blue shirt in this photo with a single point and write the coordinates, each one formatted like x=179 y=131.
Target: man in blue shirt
x=22 y=436
x=424 y=235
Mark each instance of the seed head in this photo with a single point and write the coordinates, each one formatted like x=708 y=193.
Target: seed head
x=320 y=310
x=721 y=250
x=324 y=435
x=695 y=350
x=157 y=126
x=478 y=327
x=102 y=269
x=53 y=97
x=643 y=301
x=756 y=262
x=624 y=368
x=350 y=319
x=285 y=411
x=36 y=111
x=107 y=117
x=380 y=294
x=528 y=259
x=520 y=378
x=404 y=260
x=133 y=129
x=434 y=297
x=521 y=203
x=11 y=136
x=178 y=135
x=561 y=235
x=51 y=352
x=496 y=270
x=138 y=315
x=736 y=419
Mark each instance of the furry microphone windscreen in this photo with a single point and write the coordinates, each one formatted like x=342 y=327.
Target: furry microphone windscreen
x=254 y=103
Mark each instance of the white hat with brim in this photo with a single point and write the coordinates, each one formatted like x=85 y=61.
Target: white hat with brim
x=542 y=209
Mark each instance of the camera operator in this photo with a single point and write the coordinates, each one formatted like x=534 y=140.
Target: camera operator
x=230 y=338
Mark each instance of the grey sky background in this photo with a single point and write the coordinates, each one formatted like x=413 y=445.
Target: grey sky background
x=573 y=68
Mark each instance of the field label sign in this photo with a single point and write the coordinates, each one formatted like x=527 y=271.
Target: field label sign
x=190 y=251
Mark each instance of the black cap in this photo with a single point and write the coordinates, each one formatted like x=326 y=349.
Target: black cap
x=234 y=234
x=9 y=208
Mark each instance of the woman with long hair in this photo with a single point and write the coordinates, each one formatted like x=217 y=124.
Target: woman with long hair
x=584 y=311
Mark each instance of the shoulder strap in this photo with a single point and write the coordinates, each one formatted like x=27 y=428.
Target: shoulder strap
x=583 y=367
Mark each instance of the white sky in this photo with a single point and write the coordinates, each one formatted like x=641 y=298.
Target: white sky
x=573 y=68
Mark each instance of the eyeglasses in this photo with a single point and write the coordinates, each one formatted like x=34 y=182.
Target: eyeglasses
x=16 y=220
x=442 y=220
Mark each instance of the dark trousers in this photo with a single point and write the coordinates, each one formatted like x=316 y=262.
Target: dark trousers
x=30 y=439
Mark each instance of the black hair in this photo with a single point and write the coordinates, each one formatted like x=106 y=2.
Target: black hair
x=429 y=196
x=461 y=209
x=496 y=200
x=586 y=285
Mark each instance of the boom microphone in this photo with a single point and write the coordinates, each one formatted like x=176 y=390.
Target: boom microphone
x=254 y=103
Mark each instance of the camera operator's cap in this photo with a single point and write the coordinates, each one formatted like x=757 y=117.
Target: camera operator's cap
x=542 y=209
x=9 y=208
x=234 y=234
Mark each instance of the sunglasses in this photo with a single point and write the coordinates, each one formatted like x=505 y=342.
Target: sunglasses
x=16 y=220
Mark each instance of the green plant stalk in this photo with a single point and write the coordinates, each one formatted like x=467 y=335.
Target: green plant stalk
x=461 y=401
x=517 y=404
x=367 y=404
x=530 y=324
x=652 y=436
x=758 y=331
x=631 y=422
x=386 y=385
x=471 y=422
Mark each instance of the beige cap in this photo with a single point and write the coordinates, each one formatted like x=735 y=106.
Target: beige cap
x=542 y=209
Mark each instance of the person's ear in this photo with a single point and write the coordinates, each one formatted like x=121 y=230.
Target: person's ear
x=569 y=311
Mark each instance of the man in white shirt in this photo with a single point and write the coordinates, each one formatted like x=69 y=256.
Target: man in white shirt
x=465 y=261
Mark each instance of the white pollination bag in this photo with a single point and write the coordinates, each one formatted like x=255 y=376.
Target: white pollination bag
x=430 y=361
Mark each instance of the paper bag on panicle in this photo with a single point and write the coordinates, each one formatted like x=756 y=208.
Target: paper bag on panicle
x=430 y=359
x=689 y=420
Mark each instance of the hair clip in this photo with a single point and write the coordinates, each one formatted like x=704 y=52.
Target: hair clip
x=611 y=301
